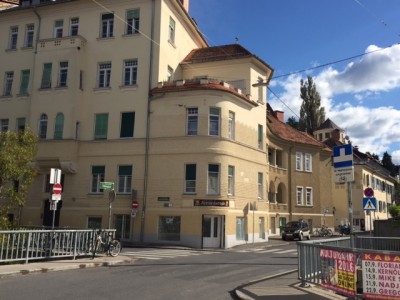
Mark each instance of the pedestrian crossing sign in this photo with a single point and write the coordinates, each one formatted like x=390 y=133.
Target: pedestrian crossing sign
x=369 y=203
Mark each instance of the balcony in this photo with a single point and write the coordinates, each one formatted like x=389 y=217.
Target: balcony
x=69 y=42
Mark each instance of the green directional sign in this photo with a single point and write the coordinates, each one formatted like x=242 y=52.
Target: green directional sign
x=107 y=185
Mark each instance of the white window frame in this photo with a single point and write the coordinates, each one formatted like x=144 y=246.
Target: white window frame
x=231 y=180
x=130 y=72
x=29 y=35
x=170 y=74
x=107 y=26
x=8 y=83
x=260 y=137
x=299 y=161
x=231 y=125
x=190 y=183
x=308 y=162
x=299 y=195
x=13 y=41
x=171 y=30
x=74 y=26
x=62 y=74
x=309 y=196
x=132 y=24
x=124 y=181
x=192 y=117
x=213 y=180
x=214 y=122
x=4 y=125
x=104 y=75
x=260 y=184
x=58 y=29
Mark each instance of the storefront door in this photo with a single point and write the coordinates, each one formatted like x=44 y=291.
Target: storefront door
x=212 y=231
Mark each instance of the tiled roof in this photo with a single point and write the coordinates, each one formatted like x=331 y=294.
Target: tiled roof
x=202 y=84
x=218 y=53
x=289 y=133
x=328 y=124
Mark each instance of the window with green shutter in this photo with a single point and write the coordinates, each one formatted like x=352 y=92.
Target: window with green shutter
x=59 y=126
x=46 y=76
x=23 y=89
x=101 y=127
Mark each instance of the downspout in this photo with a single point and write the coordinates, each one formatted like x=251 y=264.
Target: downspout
x=146 y=158
x=290 y=184
x=38 y=33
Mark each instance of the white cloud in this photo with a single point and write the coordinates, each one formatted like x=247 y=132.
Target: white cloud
x=373 y=129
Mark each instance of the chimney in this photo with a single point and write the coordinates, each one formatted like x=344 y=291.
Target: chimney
x=280 y=115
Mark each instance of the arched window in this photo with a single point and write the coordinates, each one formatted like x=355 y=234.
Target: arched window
x=59 y=127
x=43 y=127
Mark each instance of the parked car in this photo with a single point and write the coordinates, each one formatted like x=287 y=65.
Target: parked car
x=296 y=230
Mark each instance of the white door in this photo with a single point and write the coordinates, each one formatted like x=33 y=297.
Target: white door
x=212 y=226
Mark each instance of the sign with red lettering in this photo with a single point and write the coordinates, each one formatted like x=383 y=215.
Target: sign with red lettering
x=381 y=276
x=339 y=271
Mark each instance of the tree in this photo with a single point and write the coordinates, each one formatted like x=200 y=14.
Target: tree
x=293 y=122
x=312 y=115
x=17 y=150
x=388 y=164
x=394 y=210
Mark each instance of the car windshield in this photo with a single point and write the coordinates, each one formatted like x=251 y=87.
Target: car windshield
x=293 y=225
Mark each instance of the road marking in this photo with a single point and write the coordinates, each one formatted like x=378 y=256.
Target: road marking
x=167 y=253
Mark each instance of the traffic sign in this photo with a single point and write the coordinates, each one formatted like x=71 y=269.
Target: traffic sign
x=57 y=188
x=56 y=197
x=135 y=205
x=369 y=203
x=343 y=163
x=369 y=192
x=107 y=185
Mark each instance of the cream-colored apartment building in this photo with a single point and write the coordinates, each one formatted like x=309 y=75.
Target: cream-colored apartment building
x=129 y=92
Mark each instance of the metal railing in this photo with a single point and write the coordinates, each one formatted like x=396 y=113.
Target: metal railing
x=310 y=263
x=28 y=245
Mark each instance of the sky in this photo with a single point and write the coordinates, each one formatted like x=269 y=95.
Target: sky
x=360 y=90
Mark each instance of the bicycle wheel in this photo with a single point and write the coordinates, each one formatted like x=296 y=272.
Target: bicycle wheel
x=114 y=248
x=97 y=248
x=329 y=232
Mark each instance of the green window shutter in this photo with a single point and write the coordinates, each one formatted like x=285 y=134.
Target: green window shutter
x=58 y=130
x=46 y=78
x=172 y=23
x=24 y=82
x=127 y=124
x=101 y=127
x=125 y=170
x=59 y=23
x=98 y=170
x=132 y=14
x=109 y=16
x=21 y=124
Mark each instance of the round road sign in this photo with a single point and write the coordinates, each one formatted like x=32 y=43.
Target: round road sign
x=57 y=188
x=369 y=192
x=135 y=205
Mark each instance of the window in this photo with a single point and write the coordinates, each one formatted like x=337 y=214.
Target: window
x=213 y=179
x=132 y=21
x=23 y=88
x=97 y=177
x=309 y=196
x=130 y=72
x=308 y=162
x=107 y=25
x=104 y=75
x=240 y=229
x=170 y=74
x=29 y=32
x=74 y=27
x=63 y=74
x=260 y=186
x=231 y=180
x=58 y=28
x=192 y=119
x=299 y=195
x=21 y=124
x=127 y=125
x=8 y=81
x=59 y=127
x=3 y=125
x=43 y=127
x=214 y=121
x=327 y=135
x=171 y=33
x=12 y=44
x=190 y=178
x=299 y=161
x=260 y=82
x=125 y=179
x=101 y=127
x=260 y=137
x=231 y=126
x=94 y=223
x=169 y=228
x=46 y=76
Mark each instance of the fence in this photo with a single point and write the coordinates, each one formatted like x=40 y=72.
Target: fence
x=369 y=270
x=28 y=245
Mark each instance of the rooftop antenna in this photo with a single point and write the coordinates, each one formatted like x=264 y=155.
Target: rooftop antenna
x=236 y=40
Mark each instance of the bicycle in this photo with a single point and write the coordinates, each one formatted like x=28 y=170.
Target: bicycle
x=111 y=246
x=324 y=231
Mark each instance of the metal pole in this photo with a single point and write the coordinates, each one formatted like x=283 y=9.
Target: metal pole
x=349 y=194
x=109 y=214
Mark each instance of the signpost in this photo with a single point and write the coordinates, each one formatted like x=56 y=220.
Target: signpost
x=344 y=173
x=55 y=179
x=369 y=204
x=111 y=197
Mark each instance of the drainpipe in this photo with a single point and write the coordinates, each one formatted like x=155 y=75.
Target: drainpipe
x=290 y=183
x=146 y=159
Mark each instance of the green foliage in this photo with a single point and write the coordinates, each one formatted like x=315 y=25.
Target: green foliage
x=312 y=115
x=293 y=122
x=17 y=150
x=394 y=211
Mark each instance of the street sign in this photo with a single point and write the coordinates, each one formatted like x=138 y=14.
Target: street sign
x=369 y=203
x=107 y=185
x=369 y=192
x=55 y=176
x=135 y=205
x=57 y=188
x=53 y=205
x=343 y=163
x=56 y=197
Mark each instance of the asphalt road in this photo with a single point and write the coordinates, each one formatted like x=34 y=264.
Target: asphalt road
x=158 y=274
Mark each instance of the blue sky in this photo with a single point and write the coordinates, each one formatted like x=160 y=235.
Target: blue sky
x=361 y=95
